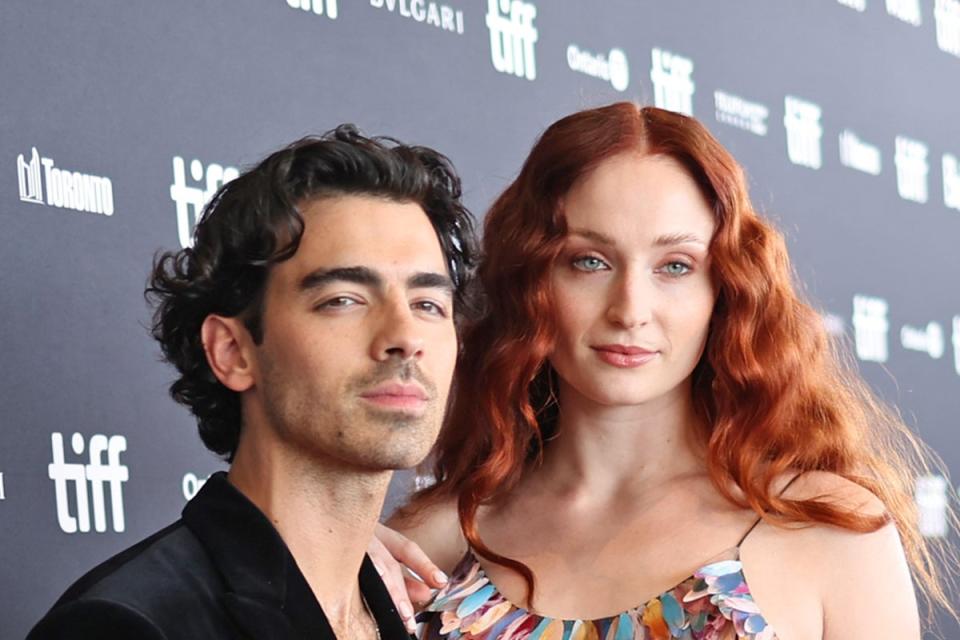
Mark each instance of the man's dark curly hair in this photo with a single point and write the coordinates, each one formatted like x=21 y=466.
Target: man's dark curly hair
x=253 y=222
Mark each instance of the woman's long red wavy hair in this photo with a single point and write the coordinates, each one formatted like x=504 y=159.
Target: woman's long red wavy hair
x=774 y=392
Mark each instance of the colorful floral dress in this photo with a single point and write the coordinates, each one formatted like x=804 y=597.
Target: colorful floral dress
x=712 y=604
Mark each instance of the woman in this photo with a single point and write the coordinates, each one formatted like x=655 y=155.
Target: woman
x=652 y=436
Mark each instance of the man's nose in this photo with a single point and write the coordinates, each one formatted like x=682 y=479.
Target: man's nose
x=398 y=333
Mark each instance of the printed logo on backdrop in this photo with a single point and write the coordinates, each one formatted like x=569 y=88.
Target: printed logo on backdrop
x=834 y=325
x=870 y=328
x=929 y=339
x=319 y=7
x=859 y=155
x=912 y=169
x=64 y=189
x=190 y=201
x=192 y=484
x=432 y=13
x=741 y=113
x=672 y=77
x=3 y=491
x=801 y=118
x=951 y=181
x=956 y=344
x=859 y=5
x=946 y=13
x=906 y=10
x=612 y=67
x=930 y=495
x=88 y=482
x=512 y=37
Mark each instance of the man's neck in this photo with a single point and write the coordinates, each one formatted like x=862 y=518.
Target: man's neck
x=325 y=513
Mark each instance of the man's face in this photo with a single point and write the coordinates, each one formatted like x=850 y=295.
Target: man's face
x=359 y=344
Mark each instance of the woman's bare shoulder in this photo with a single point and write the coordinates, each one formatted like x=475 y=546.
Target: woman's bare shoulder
x=848 y=572
x=435 y=527
x=833 y=488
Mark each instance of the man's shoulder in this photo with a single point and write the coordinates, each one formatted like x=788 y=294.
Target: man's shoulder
x=164 y=580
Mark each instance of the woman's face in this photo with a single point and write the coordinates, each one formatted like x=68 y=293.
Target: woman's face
x=632 y=285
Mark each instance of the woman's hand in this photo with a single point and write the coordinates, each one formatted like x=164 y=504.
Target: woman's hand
x=409 y=574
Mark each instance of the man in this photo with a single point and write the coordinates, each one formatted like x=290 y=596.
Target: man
x=312 y=324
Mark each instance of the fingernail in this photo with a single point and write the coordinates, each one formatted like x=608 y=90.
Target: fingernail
x=406 y=611
x=411 y=625
x=440 y=577
x=379 y=570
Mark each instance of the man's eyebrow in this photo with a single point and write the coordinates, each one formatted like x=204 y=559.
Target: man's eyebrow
x=430 y=280
x=356 y=275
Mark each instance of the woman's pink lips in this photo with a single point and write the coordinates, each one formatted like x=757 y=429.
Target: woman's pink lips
x=623 y=356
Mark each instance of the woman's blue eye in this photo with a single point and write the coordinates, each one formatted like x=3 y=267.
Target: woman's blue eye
x=676 y=268
x=589 y=263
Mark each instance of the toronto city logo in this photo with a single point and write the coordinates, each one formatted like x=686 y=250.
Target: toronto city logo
x=912 y=169
x=612 y=67
x=946 y=13
x=801 y=119
x=319 y=7
x=190 y=201
x=859 y=155
x=929 y=339
x=512 y=37
x=89 y=482
x=431 y=13
x=672 y=77
x=741 y=113
x=870 y=328
x=64 y=189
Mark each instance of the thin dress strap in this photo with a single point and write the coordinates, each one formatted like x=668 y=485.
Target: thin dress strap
x=758 y=520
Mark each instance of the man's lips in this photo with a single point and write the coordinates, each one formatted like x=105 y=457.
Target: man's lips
x=624 y=356
x=396 y=395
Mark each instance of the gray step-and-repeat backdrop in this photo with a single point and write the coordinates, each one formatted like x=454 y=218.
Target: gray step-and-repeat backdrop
x=119 y=119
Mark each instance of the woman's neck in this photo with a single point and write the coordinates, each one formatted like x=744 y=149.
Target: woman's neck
x=603 y=453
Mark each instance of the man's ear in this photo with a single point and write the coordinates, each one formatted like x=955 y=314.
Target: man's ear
x=229 y=350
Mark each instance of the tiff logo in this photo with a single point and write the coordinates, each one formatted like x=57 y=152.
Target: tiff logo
x=946 y=13
x=859 y=5
x=512 y=36
x=65 y=189
x=906 y=10
x=870 y=327
x=319 y=7
x=96 y=473
x=951 y=181
x=956 y=344
x=194 y=199
x=930 y=495
x=912 y=169
x=673 y=85
x=802 y=121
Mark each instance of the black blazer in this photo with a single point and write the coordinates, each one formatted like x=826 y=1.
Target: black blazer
x=221 y=571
